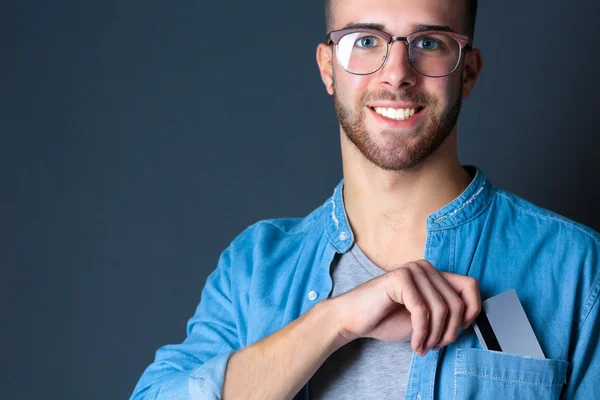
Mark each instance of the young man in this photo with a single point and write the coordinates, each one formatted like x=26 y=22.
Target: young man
x=373 y=294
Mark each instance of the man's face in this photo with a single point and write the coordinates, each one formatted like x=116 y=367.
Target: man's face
x=389 y=143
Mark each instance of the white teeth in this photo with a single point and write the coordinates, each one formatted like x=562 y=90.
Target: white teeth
x=399 y=114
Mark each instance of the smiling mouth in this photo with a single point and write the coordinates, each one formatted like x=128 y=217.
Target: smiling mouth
x=399 y=114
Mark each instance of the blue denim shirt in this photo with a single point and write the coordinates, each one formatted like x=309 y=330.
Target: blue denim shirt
x=277 y=270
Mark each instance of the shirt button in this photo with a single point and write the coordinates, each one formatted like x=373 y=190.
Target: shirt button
x=343 y=236
x=419 y=396
x=312 y=296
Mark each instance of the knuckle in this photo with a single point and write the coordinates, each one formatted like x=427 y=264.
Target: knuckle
x=444 y=312
x=450 y=337
x=399 y=278
x=420 y=307
x=473 y=283
x=424 y=264
x=440 y=306
x=400 y=274
x=458 y=306
x=411 y=265
x=470 y=318
x=478 y=309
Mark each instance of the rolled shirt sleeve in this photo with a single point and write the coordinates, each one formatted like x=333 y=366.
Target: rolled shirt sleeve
x=195 y=368
x=206 y=381
x=585 y=373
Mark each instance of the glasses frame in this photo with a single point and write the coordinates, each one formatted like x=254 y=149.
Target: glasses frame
x=464 y=42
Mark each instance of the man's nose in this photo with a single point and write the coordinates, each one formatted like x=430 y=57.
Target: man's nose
x=398 y=71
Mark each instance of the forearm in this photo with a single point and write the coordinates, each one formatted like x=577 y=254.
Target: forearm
x=279 y=365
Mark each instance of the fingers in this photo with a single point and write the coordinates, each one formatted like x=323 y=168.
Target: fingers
x=439 y=303
x=456 y=308
x=436 y=303
x=401 y=289
x=468 y=289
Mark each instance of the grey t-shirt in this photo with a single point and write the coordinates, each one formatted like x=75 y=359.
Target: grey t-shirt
x=365 y=368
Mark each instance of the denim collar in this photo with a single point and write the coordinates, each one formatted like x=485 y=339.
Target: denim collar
x=467 y=206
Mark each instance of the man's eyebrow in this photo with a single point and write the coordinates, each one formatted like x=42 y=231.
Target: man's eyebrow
x=424 y=27
x=362 y=25
x=416 y=27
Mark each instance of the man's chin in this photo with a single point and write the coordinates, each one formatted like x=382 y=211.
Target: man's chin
x=394 y=140
x=395 y=162
x=390 y=155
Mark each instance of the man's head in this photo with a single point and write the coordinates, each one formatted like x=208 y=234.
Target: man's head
x=360 y=100
x=470 y=16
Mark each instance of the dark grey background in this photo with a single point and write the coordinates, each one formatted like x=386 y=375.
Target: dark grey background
x=138 y=138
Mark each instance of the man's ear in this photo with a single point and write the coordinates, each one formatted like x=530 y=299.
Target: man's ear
x=324 y=60
x=473 y=65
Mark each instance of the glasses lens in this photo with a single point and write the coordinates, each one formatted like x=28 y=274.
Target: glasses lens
x=361 y=52
x=434 y=54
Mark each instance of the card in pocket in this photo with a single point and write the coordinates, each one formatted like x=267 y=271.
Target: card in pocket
x=503 y=326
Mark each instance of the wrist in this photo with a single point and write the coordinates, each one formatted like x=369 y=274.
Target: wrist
x=326 y=310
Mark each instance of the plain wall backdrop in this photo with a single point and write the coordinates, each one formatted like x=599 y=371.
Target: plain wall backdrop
x=138 y=138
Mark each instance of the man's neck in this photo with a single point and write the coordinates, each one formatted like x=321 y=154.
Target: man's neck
x=388 y=210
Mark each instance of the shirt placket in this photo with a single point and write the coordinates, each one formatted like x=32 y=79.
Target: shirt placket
x=439 y=251
x=322 y=283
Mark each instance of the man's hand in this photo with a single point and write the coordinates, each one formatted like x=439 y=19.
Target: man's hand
x=413 y=303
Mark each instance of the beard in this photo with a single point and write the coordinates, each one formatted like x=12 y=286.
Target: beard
x=401 y=151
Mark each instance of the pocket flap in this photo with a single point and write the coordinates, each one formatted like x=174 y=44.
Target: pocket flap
x=510 y=367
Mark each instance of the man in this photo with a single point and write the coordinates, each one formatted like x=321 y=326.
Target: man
x=373 y=294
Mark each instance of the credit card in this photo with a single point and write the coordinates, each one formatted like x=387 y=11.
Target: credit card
x=503 y=326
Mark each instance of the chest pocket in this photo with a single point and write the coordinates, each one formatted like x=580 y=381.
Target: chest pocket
x=484 y=374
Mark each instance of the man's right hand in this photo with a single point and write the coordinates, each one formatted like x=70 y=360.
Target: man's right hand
x=414 y=302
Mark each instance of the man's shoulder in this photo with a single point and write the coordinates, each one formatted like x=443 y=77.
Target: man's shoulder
x=267 y=233
x=526 y=212
x=561 y=249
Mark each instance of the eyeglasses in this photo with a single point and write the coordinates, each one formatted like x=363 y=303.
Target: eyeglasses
x=363 y=51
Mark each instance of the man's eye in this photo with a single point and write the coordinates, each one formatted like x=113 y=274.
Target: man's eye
x=366 y=42
x=427 y=43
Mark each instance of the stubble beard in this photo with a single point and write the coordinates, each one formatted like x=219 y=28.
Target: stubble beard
x=401 y=152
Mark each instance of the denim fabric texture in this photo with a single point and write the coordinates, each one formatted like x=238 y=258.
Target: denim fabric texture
x=277 y=270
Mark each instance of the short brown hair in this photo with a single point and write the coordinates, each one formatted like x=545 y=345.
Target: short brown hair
x=470 y=17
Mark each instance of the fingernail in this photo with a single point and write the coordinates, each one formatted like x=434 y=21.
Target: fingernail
x=421 y=347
